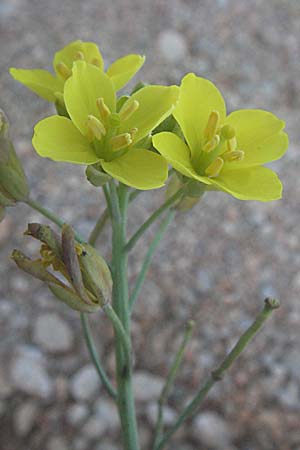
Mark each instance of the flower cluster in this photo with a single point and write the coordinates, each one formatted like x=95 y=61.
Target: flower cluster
x=131 y=138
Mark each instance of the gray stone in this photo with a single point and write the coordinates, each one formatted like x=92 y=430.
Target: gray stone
x=29 y=375
x=94 y=428
x=292 y=363
x=53 y=333
x=24 y=418
x=289 y=396
x=211 y=430
x=85 y=383
x=57 y=443
x=147 y=387
x=77 y=413
x=5 y=385
x=172 y=45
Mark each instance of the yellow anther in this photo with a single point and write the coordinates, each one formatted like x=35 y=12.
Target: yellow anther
x=227 y=132
x=95 y=127
x=215 y=167
x=212 y=125
x=212 y=144
x=79 y=56
x=231 y=144
x=236 y=155
x=103 y=108
x=133 y=132
x=120 y=141
x=128 y=109
x=96 y=62
x=63 y=70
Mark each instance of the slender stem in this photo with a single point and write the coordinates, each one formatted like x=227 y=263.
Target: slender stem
x=216 y=375
x=94 y=356
x=126 y=406
x=99 y=226
x=50 y=215
x=170 y=380
x=119 y=329
x=147 y=261
x=166 y=205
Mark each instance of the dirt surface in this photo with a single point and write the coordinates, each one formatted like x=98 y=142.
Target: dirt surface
x=216 y=264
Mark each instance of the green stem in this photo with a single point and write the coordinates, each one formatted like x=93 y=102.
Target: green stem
x=147 y=261
x=94 y=356
x=216 y=375
x=119 y=330
x=166 y=205
x=170 y=380
x=126 y=404
x=50 y=215
x=99 y=226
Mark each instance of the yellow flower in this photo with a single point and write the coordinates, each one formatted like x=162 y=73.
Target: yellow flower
x=97 y=133
x=224 y=152
x=50 y=87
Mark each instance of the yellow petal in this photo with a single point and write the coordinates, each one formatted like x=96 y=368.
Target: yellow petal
x=253 y=183
x=259 y=135
x=138 y=168
x=68 y=54
x=198 y=98
x=82 y=90
x=41 y=82
x=177 y=153
x=155 y=104
x=57 y=138
x=123 y=69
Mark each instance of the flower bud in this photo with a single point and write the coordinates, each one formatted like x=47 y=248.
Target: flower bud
x=13 y=182
x=96 y=177
x=70 y=298
x=96 y=274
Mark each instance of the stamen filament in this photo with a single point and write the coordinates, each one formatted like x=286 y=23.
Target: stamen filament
x=120 y=141
x=103 y=108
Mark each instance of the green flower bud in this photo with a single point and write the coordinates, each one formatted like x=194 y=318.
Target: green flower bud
x=35 y=268
x=13 y=182
x=96 y=274
x=45 y=234
x=70 y=298
x=96 y=177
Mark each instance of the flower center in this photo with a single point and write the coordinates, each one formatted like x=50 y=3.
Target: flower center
x=103 y=134
x=219 y=147
x=65 y=72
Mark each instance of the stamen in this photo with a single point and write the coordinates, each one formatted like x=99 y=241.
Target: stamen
x=236 y=155
x=215 y=167
x=212 y=125
x=231 y=144
x=103 y=108
x=120 y=141
x=212 y=144
x=133 y=132
x=95 y=127
x=128 y=109
x=79 y=56
x=96 y=62
x=63 y=70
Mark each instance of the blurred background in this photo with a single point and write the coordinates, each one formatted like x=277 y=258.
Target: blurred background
x=216 y=264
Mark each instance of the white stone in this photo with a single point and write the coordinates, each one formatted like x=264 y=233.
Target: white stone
x=24 y=418
x=169 y=415
x=172 y=45
x=77 y=413
x=107 y=413
x=52 y=333
x=210 y=429
x=28 y=375
x=147 y=387
x=85 y=384
x=94 y=428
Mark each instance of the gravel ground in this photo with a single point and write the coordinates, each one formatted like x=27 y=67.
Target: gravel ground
x=227 y=254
